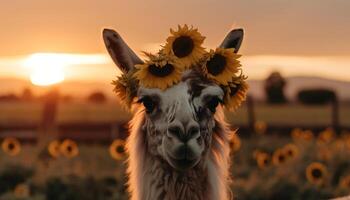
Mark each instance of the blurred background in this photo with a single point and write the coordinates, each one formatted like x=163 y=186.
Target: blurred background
x=62 y=130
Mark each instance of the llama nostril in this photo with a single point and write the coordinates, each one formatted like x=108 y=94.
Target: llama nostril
x=175 y=131
x=200 y=140
x=193 y=132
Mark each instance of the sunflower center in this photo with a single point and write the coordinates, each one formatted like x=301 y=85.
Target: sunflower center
x=266 y=161
x=216 y=65
x=56 y=148
x=317 y=173
x=161 y=71
x=69 y=148
x=183 y=46
x=281 y=158
x=120 y=149
x=290 y=153
x=11 y=146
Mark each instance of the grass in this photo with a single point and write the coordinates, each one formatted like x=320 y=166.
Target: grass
x=290 y=114
x=20 y=112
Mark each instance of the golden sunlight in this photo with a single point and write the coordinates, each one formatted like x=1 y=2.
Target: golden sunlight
x=44 y=76
x=45 y=68
x=49 y=68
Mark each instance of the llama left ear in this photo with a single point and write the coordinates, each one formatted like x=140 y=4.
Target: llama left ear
x=121 y=53
x=233 y=40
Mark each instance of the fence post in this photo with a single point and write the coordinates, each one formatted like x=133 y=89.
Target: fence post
x=251 y=113
x=48 y=117
x=335 y=115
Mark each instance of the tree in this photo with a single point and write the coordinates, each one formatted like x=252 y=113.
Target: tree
x=27 y=94
x=9 y=98
x=274 y=88
x=97 y=97
x=321 y=96
x=316 y=96
x=50 y=101
x=67 y=98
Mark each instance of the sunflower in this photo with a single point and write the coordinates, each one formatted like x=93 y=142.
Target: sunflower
x=307 y=135
x=256 y=152
x=11 y=146
x=345 y=182
x=69 y=148
x=325 y=136
x=185 y=45
x=347 y=143
x=263 y=160
x=235 y=94
x=339 y=145
x=291 y=150
x=126 y=88
x=54 y=148
x=116 y=150
x=345 y=137
x=296 y=134
x=279 y=157
x=159 y=71
x=324 y=153
x=260 y=127
x=316 y=173
x=221 y=65
x=345 y=134
x=22 y=191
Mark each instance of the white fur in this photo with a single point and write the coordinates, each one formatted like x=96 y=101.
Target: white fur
x=147 y=179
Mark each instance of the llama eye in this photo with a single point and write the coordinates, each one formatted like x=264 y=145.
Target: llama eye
x=213 y=103
x=148 y=103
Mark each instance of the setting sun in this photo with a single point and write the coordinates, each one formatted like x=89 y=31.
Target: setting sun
x=51 y=68
x=46 y=68
x=44 y=76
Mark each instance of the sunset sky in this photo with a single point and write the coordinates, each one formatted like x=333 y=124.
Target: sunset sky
x=296 y=37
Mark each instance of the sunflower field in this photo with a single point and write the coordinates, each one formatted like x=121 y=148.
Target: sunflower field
x=299 y=165
x=305 y=165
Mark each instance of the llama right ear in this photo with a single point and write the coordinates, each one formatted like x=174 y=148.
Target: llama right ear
x=120 y=52
x=233 y=40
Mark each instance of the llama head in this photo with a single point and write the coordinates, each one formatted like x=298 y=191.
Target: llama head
x=179 y=117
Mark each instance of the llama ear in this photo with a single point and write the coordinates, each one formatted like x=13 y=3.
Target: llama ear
x=120 y=52
x=233 y=40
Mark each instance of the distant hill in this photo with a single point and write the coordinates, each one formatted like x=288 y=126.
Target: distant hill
x=83 y=89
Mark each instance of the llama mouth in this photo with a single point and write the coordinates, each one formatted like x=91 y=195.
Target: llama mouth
x=182 y=164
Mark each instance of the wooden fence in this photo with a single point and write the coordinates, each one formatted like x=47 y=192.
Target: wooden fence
x=92 y=132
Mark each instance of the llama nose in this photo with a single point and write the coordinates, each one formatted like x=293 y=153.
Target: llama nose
x=183 y=134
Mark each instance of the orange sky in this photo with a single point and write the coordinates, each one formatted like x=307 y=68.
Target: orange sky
x=277 y=28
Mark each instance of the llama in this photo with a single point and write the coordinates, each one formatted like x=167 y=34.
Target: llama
x=178 y=147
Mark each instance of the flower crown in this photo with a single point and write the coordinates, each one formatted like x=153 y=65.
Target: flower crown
x=183 y=50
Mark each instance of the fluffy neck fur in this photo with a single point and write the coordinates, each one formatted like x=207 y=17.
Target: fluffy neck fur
x=151 y=178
